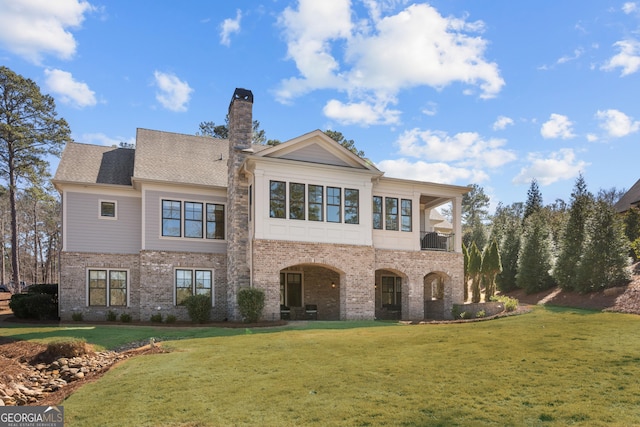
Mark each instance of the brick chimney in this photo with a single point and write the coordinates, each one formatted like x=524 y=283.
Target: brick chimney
x=240 y=137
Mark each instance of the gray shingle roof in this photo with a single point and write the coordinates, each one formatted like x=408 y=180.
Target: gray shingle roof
x=95 y=164
x=630 y=198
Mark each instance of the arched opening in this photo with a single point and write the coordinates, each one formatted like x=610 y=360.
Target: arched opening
x=435 y=284
x=309 y=292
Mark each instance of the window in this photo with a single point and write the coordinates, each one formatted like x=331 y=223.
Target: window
x=377 y=212
x=316 y=202
x=107 y=209
x=171 y=218
x=291 y=289
x=391 y=213
x=296 y=201
x=405 y=215
x=351 y=206
x=187 y=286
x=192 y=219
x=107 y=288
x=277 y=199
x=333 y=204
x=215 y=221
x=391 y=290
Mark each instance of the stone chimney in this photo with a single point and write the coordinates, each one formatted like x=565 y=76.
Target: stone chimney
x=238 y=256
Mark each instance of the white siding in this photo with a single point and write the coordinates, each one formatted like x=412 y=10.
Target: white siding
x=85 y=231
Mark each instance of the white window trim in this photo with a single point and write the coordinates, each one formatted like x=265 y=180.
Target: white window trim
x=182 y=238
x=115 y=209
x=193 y=269
x=107 y=269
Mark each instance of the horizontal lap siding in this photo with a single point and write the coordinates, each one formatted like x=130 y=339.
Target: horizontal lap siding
x=86 y=232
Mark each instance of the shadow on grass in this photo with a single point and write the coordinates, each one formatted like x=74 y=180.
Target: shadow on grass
x=570 y=310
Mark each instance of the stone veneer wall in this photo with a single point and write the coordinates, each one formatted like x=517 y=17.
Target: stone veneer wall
x=73 y=283
x=354 y=264
x=414 y=266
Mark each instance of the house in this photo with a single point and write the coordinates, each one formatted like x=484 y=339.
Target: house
x=630 y=199
x=322 y=231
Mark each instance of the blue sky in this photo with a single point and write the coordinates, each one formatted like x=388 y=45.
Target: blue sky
x=455 y=91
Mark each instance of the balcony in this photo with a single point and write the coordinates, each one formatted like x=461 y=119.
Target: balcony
x=434 y=241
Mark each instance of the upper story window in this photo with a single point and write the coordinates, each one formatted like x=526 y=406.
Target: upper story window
x=277 y=199
x=198 y=220
x=393 y=215
x=351 y=206
x=334 y=202
x=316 y=202
x=107 y=209
x=296 y=201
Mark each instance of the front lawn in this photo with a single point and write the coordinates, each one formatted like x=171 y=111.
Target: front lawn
x=551 y=367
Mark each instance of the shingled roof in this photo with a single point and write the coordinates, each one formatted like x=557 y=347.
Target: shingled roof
x=95 y=164
x=629 y=199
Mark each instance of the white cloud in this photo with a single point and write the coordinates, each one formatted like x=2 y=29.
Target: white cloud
x=174 y=94
x=559 y=165
x=382 y=55
x=230 y=26
x=628 y=59
x=616 y=123
x=629 y=7
x=431 y=172
x=102 y=139
x=558 y=126
x=502 y=122
x=362 y=113
x=577 y=53
x=70 y=91
x=466 y=148
x=33 y=28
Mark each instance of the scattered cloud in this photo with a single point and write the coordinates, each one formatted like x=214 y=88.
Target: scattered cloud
x=629 y=7
x=102 y=139
x=69 y=91
x=32 y=29
x=230 y=26
x=557 y=166
x=628 y=57
x=577 y=53
x=362 y=113
x=431 y=109
x=502 y=122
x=616 y=123
x=558 y=126
x=379 y=52
x=432 y=172
x=173 y=94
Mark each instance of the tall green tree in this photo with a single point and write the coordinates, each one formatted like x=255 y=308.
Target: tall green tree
x=222 y=131
x=475 y=272
x=465 y=257
x=534 y=200
x=491 y=267
x=29 y=132
x=475 y=212
x=632 y=229
x=574 y=236
x=606 y=251
x=349 y=144
x=534 y=268
x=507 y=231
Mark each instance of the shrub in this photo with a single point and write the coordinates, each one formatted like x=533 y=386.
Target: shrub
x=18 y=306
x=40 y=306
x=455 y=311
x=198 y=308
x=251 y=303
x=510 y=304
x=464 y=315
x=125 y=318
x=156 y=318
x=171 y=319
x=481 y=313
x=66 y=348
x=635 y=246
x=112 y=316
x=77 y=317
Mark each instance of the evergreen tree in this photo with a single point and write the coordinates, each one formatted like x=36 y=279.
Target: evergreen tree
x=573 y=238
x=534 y=200
x=605 y=259
x=465 y=253
x=491 y=266
x=507 y=230
x=632 y=227
x=534 y=269
x=475 y=270
x=475 y=211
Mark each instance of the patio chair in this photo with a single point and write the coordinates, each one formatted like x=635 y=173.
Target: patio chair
x=311 y=312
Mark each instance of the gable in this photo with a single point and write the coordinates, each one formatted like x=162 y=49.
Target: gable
x=315 y=153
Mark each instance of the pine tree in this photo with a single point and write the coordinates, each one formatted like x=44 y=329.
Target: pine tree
x=491 y=266
x=465 y=253
x=632 y=228
x=508 y=231
x=475 y=266
x=605 y=259
x=573 y=238
x=535 y=256
x=534 y=200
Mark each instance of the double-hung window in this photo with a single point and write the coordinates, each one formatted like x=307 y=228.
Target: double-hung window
x=296 y=201
x=334 y=203
x=391 y=213
x=215 y=221
x=171 y=218
x=277 y=199
x=107 y=288
x=193 y=282
x=377 y=212
x=193 y=220
x=405 y=215
x=316 y=202
x=351 y=206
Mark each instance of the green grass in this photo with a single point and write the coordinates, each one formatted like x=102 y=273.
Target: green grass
x=552 y=367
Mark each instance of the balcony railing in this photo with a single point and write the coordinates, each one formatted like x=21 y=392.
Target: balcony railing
x=434 y=241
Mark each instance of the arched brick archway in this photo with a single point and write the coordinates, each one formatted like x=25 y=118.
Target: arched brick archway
x=435 y=284
x=310 y=292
